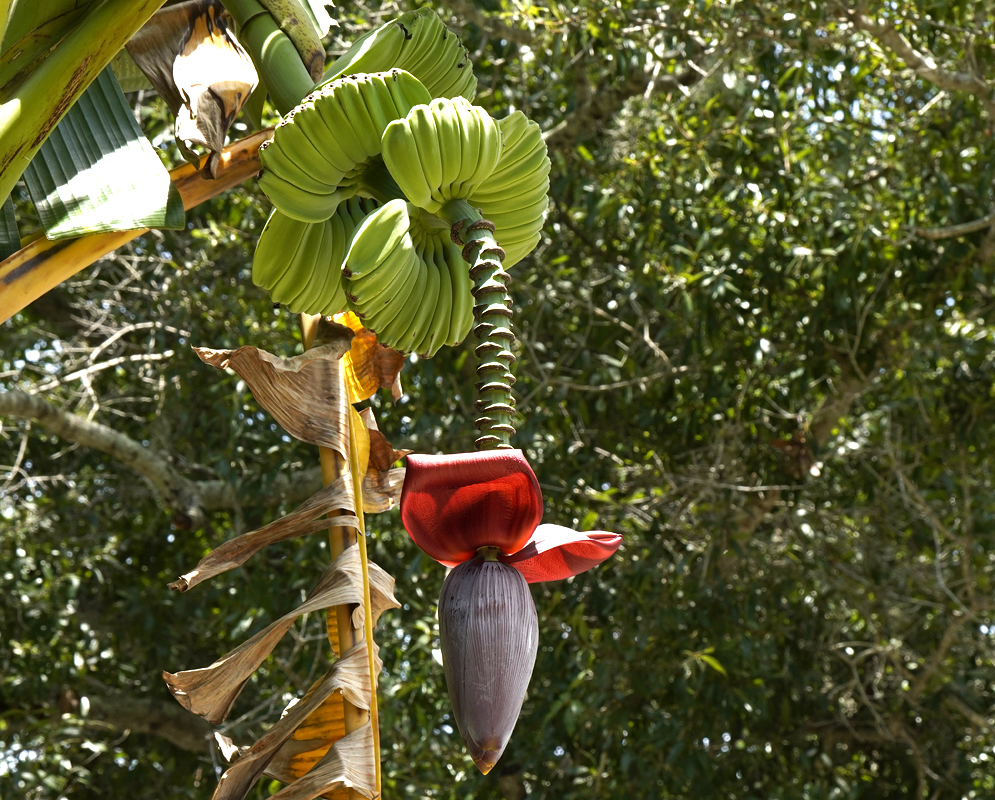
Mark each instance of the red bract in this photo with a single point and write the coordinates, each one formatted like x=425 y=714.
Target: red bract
x=452 y=505
x=479 y=513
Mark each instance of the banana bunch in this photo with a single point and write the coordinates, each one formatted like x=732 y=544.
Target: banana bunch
x=300 y=263
x=371 y=177
x=420 y=43
x=407 y=281
x=441 y=151
x=319 y=152
x=513 y=195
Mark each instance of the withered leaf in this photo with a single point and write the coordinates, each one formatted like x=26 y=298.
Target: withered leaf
x=348 y=763
x=210 y=692
x=381 y=484
x=349 y=675
x=323 y=727
x=301 y=392
x=369 y=366
x=303 y=520
x=382 y=490
x=192 y=59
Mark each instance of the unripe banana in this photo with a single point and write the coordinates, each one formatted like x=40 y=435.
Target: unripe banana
x=442 y=318
x=375 y=238
x=298 y=203
x=396 y=331
x=428 y=303
x=462 y=313
x=412 y=151
x=278 y=242
x=300 y=263
x=419 y=43
x=514 y=195
x=395 y=313
x=327 y=143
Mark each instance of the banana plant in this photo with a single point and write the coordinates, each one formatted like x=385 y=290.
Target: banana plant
x=451 y=197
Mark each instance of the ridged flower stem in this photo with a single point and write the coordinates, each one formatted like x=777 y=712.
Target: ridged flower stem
x=492 y=312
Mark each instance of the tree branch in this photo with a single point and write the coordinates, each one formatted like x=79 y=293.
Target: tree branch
x=193 y=499
x=178 y=492
x=150 y=715
x=923 y=63
x=489 y=24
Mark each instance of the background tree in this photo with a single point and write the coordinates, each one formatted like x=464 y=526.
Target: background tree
x=755 y=339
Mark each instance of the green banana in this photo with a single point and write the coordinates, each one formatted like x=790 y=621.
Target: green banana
x=514 y=195
x=406 y=91
x=395 y=311
x=442 y=317
x=462 y=313
x=428 y=303
x=306 y=268
x=419 y=43
x=403 y=158
x=331 y=297
x=373 y=289
x=375 y=238
x=294 y=283
x=300 y=138
x=300 y=204
x=412 y=151
x=329 y=141
x=409 y=305
x=278 y=159
x=300 y=263
x=353 y=104
x=278 y=242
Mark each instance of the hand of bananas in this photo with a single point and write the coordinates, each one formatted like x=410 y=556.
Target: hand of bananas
x=371 y=170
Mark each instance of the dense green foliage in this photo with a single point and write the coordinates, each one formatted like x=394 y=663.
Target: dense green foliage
x=744 y=343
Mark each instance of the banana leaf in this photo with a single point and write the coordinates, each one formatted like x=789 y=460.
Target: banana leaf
x=50 y=52
x=97 y=172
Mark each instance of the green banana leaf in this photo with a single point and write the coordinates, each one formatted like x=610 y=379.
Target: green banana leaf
x=97 y=172
x=50 y=51
x=10 y=241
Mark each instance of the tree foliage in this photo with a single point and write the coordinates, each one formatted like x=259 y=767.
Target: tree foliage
x=756 y=339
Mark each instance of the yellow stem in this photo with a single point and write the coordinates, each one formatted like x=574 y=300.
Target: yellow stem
x=332 y=467
x=357 y=482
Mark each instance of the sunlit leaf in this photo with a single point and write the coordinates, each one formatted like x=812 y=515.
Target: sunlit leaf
x=97 y=172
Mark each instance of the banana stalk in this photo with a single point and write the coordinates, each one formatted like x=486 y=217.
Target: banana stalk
x=339 y=538
x=492 y=312
x=278 y=59
x=31 y=107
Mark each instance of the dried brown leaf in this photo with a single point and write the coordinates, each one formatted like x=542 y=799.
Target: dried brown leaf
x=349 y=676
x=302 y=393
x=205 y=76
x=382 y=490
x=324 y=726
x=381 y=484
x=348 y=763
x=369 y=366
x=210 y=692
x=337 y=496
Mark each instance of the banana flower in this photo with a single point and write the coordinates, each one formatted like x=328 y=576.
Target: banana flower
x=479 y=513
